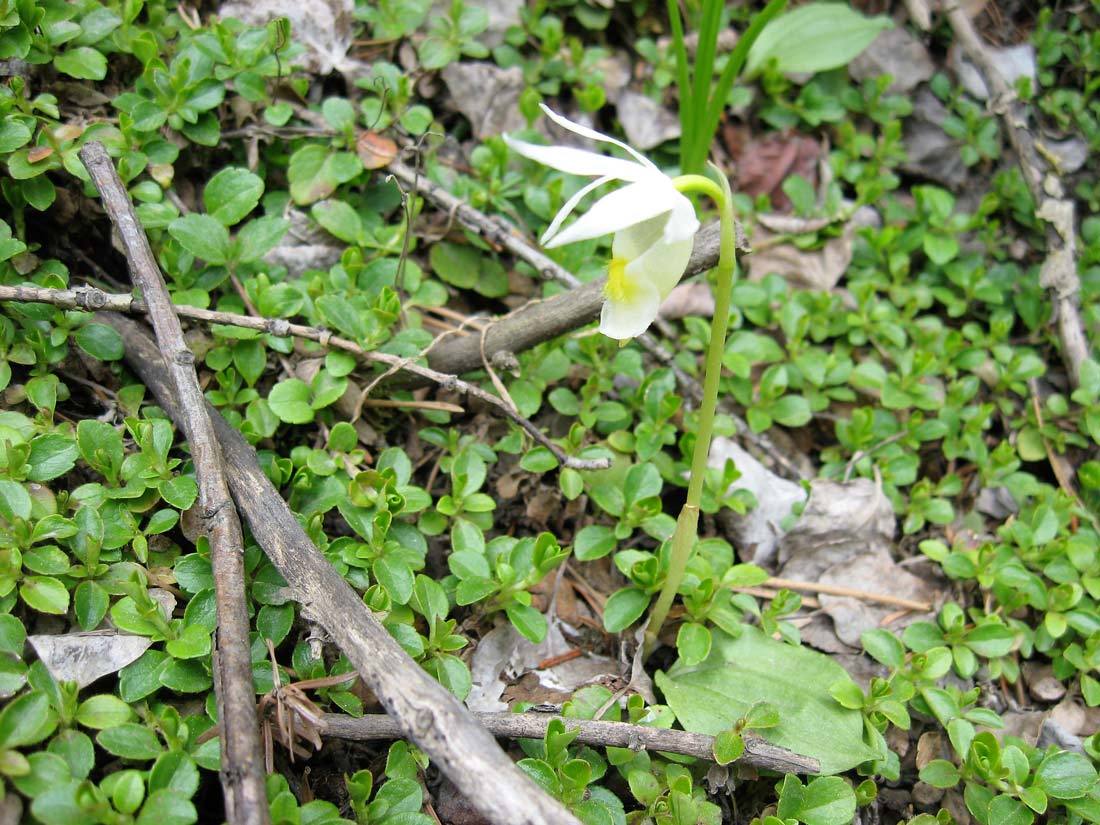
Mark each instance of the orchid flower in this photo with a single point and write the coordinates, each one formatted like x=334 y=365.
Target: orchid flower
x=653 y=223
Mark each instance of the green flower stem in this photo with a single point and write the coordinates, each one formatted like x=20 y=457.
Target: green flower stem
x=683 y=540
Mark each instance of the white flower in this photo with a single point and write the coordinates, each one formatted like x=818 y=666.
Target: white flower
x=654 y=226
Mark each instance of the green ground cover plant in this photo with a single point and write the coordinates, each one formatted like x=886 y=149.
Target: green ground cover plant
x=929 y=367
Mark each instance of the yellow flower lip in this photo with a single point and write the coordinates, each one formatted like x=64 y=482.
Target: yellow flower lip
x=619 y=286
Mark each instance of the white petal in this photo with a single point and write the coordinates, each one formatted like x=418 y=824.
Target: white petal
x=568 y=208
x=633 y=241
x=629 y=319
x=618 y=210
x=662 y=265
x=579 y=161
x=592 y=134
x=682 y=222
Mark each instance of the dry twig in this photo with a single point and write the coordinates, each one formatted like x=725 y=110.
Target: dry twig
x=425 y=711
x=543 y=320
x=242 y=774
x=758 y=752
x=839 y=590
x=89 y=298
x=1059 y=271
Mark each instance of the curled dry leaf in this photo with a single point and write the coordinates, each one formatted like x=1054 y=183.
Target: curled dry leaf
x=1013 y=63
x=694 y=298
x=375 y=150
x=85 y=657
x=930 y=746
x=487 y=95
x=758 y=532
x=897 y=53
x=876 y=573
x=763 y=165
x=326 y=28
x=647 y=123
x=809 y=268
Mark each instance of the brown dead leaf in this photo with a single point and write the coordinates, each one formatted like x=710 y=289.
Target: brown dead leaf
x=813 y=268
x=695 y=298
x=763 y=165
x=543 y=505
x=375 y=150
x=39 y=153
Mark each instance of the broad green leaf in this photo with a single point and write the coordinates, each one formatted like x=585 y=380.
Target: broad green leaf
x=83 y=63
x=45 y=594
x=528 y=621
x=260 y=236
x=1065 y=775
x=231 y=194
x=624 y=608
x=826 y=800
x=100 y=341
x=25 y=720
x=103 y=711
x=289 y=400
x=814 y=38
x=712 y=696
x=203 y=236
x=51 y=455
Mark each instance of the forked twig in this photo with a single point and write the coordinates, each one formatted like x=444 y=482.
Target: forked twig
x=426 y=712
x=89 y=298
x=242 y=775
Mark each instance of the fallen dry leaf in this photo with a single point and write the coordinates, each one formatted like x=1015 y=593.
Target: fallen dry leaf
x=763 y=165
x=503 y=657
x=85 y=657
x=897 y=53
x=875 y=573
x=647 y=123
x=326 y=28
x=487 y=96
x=809 y=268
x=930 y=746
x=1013 y=62
x=758 y=532
x=694 y=298
x=931 y=153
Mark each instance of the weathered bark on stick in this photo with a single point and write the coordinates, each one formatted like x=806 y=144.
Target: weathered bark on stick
x=758 y=752
x=242 y=773
x=1059 y=271
x=540 y=321
x=424 y=710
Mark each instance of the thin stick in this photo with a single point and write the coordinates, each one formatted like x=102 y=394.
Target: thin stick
x=769 y=593
x=758 y=752
x=1059 y=271
x=564 y=313
x=90 y=298
x=242 y=773
x=425 y=711
x=838 y=590
x=399 y=404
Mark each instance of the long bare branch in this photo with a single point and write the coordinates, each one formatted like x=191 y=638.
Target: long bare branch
x=1059 y=271
x=426 y=712
x=91 y=299
x=242 y=772
x=758 y=752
